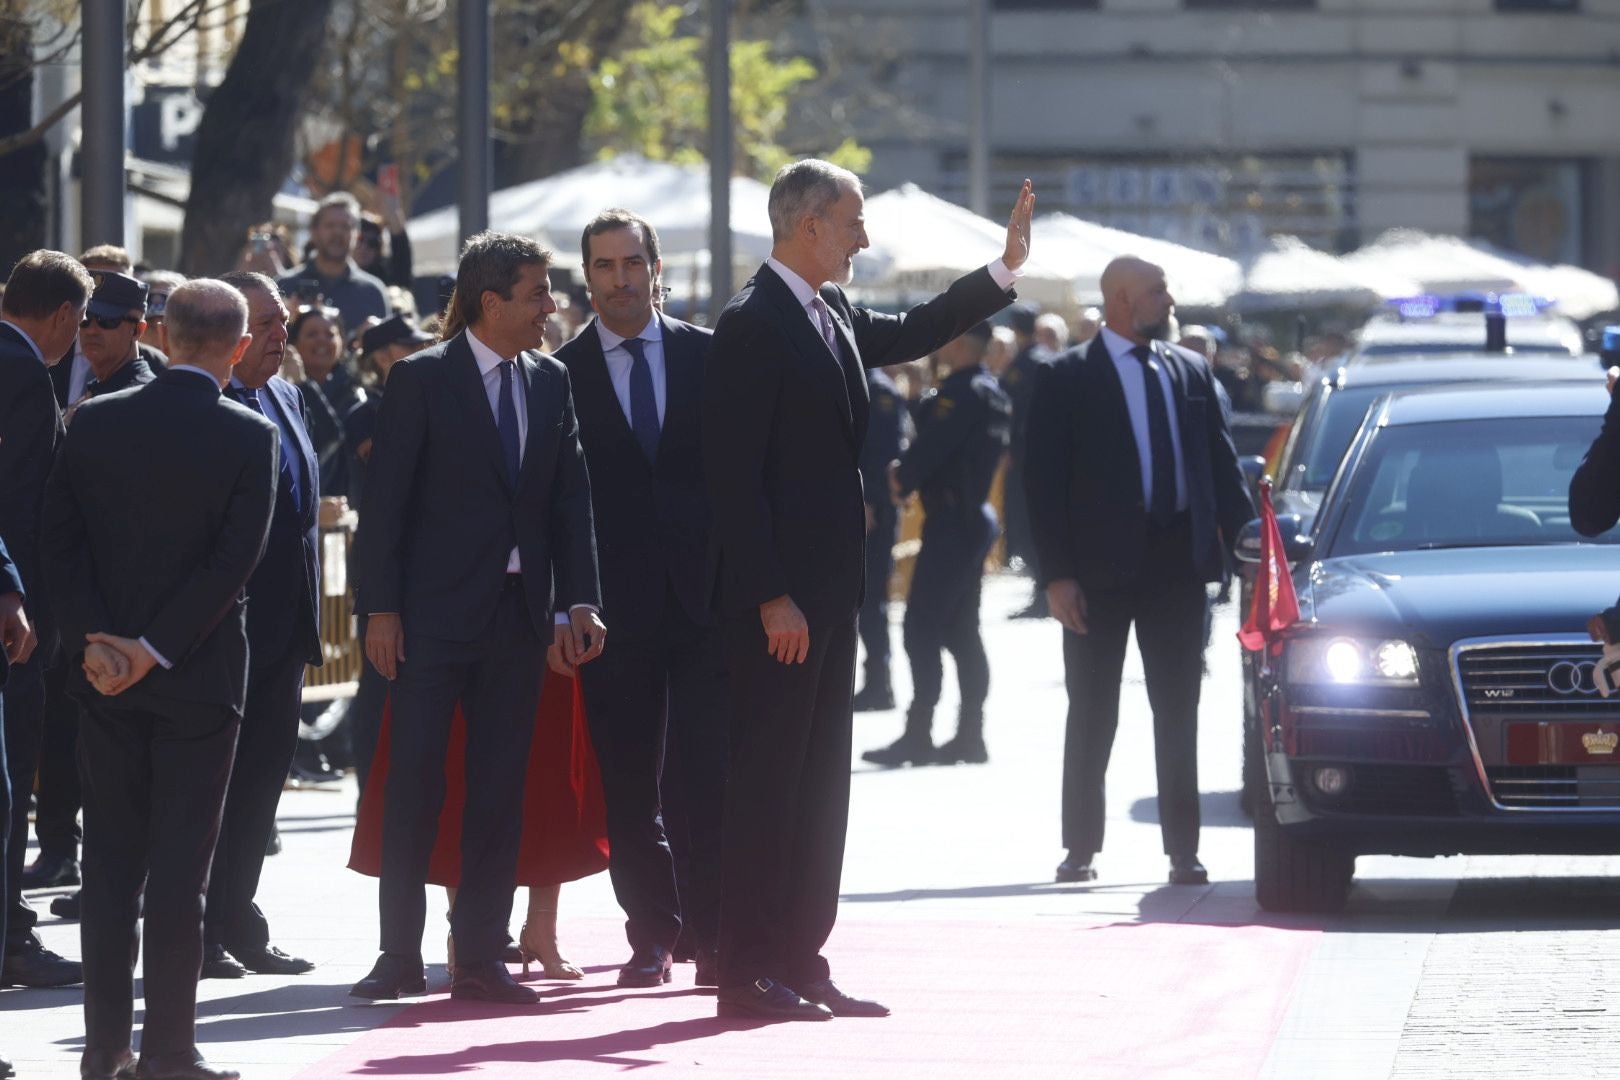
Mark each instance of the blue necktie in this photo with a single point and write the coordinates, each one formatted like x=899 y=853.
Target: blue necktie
x=1162 y=506
x=250 y=398
x=506 y=420
x=643 y=404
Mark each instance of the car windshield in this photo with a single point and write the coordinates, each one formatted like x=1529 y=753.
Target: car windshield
x=1338 y=418
x=1472 y=483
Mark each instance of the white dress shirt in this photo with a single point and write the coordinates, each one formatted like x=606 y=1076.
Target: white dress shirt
x=803 y=293
x=619 y=362
x=489 y=366
x=79 y=375
x=1133 y=378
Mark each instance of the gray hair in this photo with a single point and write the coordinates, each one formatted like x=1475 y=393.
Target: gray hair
x=804 y=189
x=243 y=280
x=337 y=199
x=204 y=318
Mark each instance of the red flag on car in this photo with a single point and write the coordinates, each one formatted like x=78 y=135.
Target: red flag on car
x=1276 y=605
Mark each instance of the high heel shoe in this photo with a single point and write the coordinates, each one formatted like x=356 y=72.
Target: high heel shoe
x=538 y=948
x=450 y=956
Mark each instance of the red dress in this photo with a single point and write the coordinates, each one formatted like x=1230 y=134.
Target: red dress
x=564 y=819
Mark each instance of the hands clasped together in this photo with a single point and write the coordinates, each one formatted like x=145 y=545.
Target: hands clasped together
x=114 y=664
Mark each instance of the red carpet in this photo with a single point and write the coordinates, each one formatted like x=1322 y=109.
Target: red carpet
x=1028 y=1000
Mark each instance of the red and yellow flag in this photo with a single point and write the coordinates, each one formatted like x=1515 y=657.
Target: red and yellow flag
x=1276 y=605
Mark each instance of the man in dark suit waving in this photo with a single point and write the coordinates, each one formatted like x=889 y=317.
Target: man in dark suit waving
x=476 y=527
x=1135 y=499
x=638 y=385
x=785 y=411
x=147 y=554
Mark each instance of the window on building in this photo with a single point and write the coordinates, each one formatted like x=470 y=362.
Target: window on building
x=1535 y=206
x=1251 y=5
x=1046 y=5
x=1538 y=5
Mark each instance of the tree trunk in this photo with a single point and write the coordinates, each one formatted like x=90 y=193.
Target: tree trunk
x=246 y=141
x=22 y=172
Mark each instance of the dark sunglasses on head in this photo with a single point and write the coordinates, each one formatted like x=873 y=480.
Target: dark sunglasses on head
x=108 y=322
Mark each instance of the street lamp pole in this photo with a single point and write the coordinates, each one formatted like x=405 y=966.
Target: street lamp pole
x=474 y=33
x=720 y=156
x=101 y=144
x=979 y=106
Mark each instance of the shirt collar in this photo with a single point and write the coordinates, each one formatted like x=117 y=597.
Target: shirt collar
x=1119 y=346
x=195 y=370
x=653 y=331
x=488 y=359
x=802 y=292
x=32 y=344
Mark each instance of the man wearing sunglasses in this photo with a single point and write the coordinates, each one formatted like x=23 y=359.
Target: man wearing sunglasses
x=111 y=332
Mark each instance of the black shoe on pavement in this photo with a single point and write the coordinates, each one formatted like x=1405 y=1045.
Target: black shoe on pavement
x=512 y=952
x=962 y=750
x=106 y=1065
x=683 y=952
x=767 y=999
x=65 y=907
x=181 y=1067
x=271 y=961
x=906 y=750
x=1187 y=870
x=1076 y=866
x=490 y=981
x=391 y=976
x=6 y=1071
x=707 y=972
x=50 y=872
x=218 y=964
x=648 y=966
x=824 y=992
x=873 y=698
x=36 y=966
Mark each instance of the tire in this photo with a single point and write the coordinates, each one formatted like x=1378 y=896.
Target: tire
x=1295 y=875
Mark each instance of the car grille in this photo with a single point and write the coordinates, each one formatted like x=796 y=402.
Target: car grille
x=1552 y=787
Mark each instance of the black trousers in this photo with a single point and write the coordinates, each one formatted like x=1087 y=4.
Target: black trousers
x=787 y=803
x=264 y=750
x=640 y=695
x=942 y=612
x=365 y=716
x=1167 y=609
x=874 y=615
x=497 y=681
x=56 y=817
x=154 y=792
x=24 y=725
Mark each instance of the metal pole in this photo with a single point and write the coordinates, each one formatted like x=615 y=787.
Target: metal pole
x=720 y=156
x=101 y=145
x=476 y=153
x=978 y=32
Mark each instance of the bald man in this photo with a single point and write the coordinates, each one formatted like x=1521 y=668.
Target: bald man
x=1135 y=499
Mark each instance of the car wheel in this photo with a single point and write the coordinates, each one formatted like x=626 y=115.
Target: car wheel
x=1297 y=875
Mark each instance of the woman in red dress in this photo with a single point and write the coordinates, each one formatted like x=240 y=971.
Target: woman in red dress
x=564 y=822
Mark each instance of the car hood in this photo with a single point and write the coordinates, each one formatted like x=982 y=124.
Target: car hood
x=1433 y=598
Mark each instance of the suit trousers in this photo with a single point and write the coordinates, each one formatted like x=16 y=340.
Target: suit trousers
x=154 y=792
x=1167 y=609
x=365 y=717
x=5 y=823
x=56 y=817
x=24 y=725
x=942 y=612
x=496 y=679
x=640 y=695
x=787 y=802
x=264 y=751
x=874 y=616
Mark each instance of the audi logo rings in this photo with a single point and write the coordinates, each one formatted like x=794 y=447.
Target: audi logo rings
x=1569 y=677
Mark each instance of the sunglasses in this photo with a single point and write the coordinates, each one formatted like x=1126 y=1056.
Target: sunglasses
x=108 y=322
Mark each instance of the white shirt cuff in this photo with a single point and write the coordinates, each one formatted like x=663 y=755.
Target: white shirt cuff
x=159 y=657
x=1003 y=276
x=562 y=617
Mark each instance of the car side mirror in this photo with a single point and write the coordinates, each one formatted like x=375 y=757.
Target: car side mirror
x=1253 y=467
x=1296 y=547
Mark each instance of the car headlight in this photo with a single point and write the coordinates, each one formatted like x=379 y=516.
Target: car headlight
x=1342 y=661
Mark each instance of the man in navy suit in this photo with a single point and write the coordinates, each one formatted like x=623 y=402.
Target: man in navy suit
x=638 y=386
x=16 y=639
x=283 y=626
x=476 y=527
x=1135 y=499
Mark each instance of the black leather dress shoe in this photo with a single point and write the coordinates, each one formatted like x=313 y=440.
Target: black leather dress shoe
x=1187 y=870
x=66 y=907
x=767 y=999
x=873 y=699
x=36 y=966
x=218 y=964
x=707 y=972
x=512 y=953
x=50 y=872
x=181 y=1067
x=272 y=961
x=490 y=981
x=107 y=1065
x=905 y=750
x=391 y=976
x=684 y=951
x=962 y=750
x=824 y=992
x=6 y=1071
x=1076 y=866
x=648 y=966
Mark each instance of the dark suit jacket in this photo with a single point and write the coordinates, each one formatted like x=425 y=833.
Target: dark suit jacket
x=1083 y=477
x=10 y=582
x=783 y=427
x=284 y=607
x=885 y=437
x=652 y=519
x=30 y=427
x=440 y=516
x=152 y=362
x=159 y=544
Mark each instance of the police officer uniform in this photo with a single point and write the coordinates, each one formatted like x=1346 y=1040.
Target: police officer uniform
x=962 y=432
x=885 y=438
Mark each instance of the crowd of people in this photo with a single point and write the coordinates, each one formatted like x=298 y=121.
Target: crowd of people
x=611 y=575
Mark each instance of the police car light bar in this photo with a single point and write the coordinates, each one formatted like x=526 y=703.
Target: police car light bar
x=1514 y=305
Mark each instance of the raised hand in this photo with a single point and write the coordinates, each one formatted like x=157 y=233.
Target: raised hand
x=1023 y=211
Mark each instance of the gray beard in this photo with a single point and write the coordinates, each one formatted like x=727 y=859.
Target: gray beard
x=1158 y=331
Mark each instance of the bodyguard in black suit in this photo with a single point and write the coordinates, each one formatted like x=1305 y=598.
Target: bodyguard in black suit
x=477 y=518
x=885 y=439
x=44 y=302
x=283 y=626
x=16 y=638
x=638 y=388
x=1135 y=498
x=147 y=555
x=784 y=417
